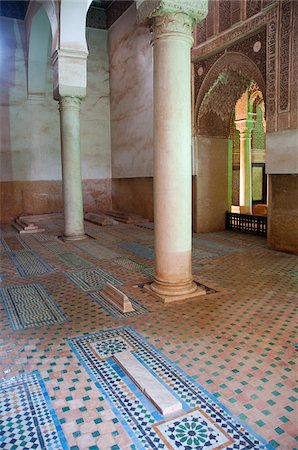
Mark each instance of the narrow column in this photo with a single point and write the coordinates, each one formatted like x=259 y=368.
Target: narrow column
x=245 y=189
x=69 y=108
x=172 y=41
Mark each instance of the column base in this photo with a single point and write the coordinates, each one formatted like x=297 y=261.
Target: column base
x=174 y=293
x=76 y=237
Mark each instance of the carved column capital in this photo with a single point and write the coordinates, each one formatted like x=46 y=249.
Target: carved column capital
x=69 y=103
x=196 y=9
x=244 y=127
x=172 y=25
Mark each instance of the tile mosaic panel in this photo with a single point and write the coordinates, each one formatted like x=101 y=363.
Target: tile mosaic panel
x=73 y=260
x=28 y=420
x=96 y=250
x=138 y=308
x=30 y=306
x=203 y=421
x=29 y=263
x=55 y=246
x=129 y=264
x=138 y=249
x=217 y=248
x=14 y=243
x=194 y=431
x=42 y=237
x=90 y=280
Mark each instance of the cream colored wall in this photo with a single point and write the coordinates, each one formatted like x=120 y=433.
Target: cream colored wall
x=282 y=152
x=30 y=133
x=211 y=183
x=29 y=128
x=30 y=160
x=131 y=84
x=95 y=110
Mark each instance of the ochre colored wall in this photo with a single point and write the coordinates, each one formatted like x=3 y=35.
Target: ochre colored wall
x=283 y=213
x=212 y=183
x=39 y=197
x=134 y=195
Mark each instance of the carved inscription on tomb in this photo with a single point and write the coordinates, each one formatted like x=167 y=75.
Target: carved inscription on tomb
x=284 y=60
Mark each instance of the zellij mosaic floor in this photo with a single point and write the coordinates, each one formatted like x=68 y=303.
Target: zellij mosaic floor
x=227 y=358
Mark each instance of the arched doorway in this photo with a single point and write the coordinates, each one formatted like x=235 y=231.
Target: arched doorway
x=226 y=82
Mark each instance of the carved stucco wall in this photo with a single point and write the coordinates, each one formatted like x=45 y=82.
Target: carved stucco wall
x=223 y=85
x=269 y=38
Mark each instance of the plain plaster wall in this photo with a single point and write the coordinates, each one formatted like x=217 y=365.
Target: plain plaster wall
x=282 y=152
x=30 y=161
x=283 y=213
x=131 y=84
x=211 y=183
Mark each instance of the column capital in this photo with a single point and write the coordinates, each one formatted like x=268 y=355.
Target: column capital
x=196 y=9
x=244 y=126
x=172 y=25
x=69 y=102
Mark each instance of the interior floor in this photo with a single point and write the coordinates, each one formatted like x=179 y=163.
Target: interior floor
x=238 y=341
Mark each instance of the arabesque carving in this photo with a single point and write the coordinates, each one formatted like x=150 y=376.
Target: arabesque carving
x=284 y=54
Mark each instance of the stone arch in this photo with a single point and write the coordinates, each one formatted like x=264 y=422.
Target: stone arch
x=39 y=39
x=73 y=25
x=224 y=83
x=51 y=9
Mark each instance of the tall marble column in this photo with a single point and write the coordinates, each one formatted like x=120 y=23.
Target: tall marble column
x=245 y=127
x=172 y=41
x=69 y=107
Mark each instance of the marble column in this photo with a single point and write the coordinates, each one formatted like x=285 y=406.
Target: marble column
x=245 y=127
x=69 y=107
x=172 y=41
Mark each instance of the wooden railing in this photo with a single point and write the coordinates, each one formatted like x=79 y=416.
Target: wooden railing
x=247 y=223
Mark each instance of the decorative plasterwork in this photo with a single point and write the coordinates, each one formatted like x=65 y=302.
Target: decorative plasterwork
x=222 y=86
x=219 y=102
x=196 y=9
x=233 y=61
x=245 y=47
x=233 y=34
x=284 y=55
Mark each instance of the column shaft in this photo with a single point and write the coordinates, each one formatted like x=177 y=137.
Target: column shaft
x=172 y=158
x=71 y=167
x=245 y=172
x=245 y=184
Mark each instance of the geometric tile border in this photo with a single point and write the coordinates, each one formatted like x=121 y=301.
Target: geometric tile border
x=204 y=422
x=29 y=263
x=28 y=420
x=30 y=306
x=92 y=279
